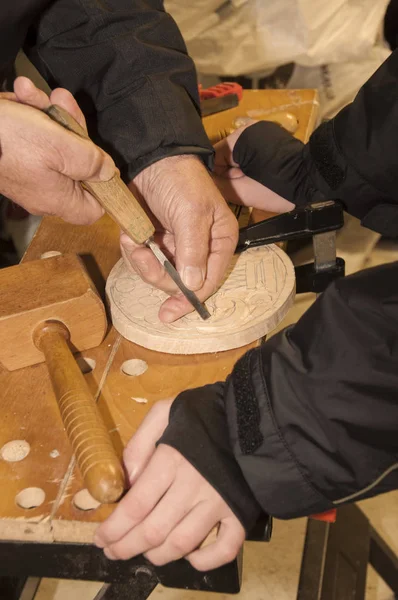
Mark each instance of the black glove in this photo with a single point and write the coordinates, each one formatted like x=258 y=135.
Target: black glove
x=314 y=172
x=270 y=155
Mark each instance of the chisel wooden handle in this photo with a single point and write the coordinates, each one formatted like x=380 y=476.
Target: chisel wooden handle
x=91 y=443
x=113 y=195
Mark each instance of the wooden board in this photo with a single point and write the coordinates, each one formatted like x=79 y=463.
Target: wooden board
x=257 y=291
x=66 y=295
x=260 y=104
x=27 y=405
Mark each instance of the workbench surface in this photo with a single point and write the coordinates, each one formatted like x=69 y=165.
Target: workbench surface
x=28 y=409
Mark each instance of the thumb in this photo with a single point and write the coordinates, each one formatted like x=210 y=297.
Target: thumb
x=192 y=248
x=76 y=157
x=27 y=93
x=65 y=100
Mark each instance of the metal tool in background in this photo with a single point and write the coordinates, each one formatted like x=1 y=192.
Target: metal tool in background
x=220 y=97
x=118 y=201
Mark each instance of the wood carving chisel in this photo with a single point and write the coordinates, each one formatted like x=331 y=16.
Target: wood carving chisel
x=118 y=201
x=213 y=106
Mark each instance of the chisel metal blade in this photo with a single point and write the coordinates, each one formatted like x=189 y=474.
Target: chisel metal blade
x=189 y=294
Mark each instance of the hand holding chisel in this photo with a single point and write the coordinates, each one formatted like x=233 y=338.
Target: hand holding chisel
x=117 y=200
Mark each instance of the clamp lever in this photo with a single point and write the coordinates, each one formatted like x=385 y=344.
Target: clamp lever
x=319 y=221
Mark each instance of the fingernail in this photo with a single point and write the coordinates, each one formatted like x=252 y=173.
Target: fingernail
x=109 y=554
x=192 y=277
x=168 y=316
x=132 y=473
x=108 y=169
x=141 y=266
x=97 y=542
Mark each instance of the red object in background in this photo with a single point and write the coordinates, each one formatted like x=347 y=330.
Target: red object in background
x=220 y=90
x=329 y=516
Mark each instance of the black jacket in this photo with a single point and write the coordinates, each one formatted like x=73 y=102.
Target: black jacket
x=309 y=420
x=125 y=62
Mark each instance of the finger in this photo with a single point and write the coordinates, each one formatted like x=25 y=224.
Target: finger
x=220 y=255
x=143 y=262
x=8 y=96
x=224 y=153
x=75 y=157
x=81 y=207
x=229 y=541
x=186 y=536
x=152 y=532
x=192 y=240
x=139 y=500
x=234 y=173
x=225 y=148
x=227 y=172
x=142 y=445
x=27 y=93
x=248 y=192
x=65 y=100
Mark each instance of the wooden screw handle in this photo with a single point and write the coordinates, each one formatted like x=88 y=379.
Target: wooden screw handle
x=95 y=455
x=113 y=195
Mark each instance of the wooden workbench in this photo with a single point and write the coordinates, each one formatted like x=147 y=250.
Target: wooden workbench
x=28 y=409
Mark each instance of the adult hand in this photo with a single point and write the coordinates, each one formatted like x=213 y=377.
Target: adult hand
x=238 y=188
x=41 y=164
x=195 y=227
x=170 y=508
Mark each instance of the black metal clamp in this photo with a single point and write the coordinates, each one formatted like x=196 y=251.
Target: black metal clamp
x=319 y=221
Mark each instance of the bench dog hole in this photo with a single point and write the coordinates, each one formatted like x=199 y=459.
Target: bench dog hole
x=83 y=500
x=134 y=367
x=86 y=365
x=30 y=497
x=15 y=450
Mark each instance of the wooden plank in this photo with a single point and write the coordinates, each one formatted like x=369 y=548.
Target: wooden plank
x=96 y=245
x=29 y=409
x=167 y=375
x=303 y=104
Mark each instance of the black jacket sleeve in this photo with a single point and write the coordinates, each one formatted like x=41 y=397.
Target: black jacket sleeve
x=352 y=158
x=311 y=416
x=126 y=63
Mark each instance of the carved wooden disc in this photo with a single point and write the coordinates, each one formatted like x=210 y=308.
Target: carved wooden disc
x=257 y=292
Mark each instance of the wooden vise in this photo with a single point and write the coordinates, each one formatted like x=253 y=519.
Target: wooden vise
x=48 y=309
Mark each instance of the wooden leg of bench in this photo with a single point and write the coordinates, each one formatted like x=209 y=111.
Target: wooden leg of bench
x=139 y=587
x=335 y=557
x=383 y=560
x=18 y=588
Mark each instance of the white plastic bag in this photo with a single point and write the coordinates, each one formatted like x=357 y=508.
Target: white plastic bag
x=241 y=37
x=198 y=16
x=339 y=83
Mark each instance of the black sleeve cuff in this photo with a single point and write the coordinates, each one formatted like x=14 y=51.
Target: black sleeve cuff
x=198 y=430
x=338 y=180
x=166 y=123
x=204 y=154
x=271 y=469
x=318 y=400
